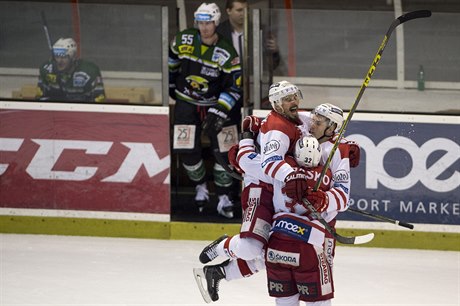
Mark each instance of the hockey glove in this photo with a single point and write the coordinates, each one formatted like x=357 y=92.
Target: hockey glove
x=318 y=199
x=250 y=126
x=354 y=153
x=232 y=155
x=296 y=185
x=214 y=121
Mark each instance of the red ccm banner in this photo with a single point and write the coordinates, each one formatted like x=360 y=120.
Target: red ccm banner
x=84 y=157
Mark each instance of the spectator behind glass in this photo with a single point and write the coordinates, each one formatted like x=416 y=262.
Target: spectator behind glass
x=232 y=29
x=67 y=78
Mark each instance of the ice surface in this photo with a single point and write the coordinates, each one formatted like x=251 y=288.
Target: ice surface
x=63 y=270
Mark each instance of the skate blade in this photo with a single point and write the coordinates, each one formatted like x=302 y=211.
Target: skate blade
x=199 y=278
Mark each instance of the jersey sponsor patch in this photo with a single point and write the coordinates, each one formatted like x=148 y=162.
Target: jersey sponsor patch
x=220 y=56
x=271 y=147
x=184 y=136
x=262 y=228
x=280 y=257
x=80 y=79
x=325 y=274
x=271 y=159
x=186 y=49
x=293 y=228
x=341 y=176
x=308 y=290
x=279 y=288
x=208 y=71
x=51 y=78
x=252 y=155
x=342 y=187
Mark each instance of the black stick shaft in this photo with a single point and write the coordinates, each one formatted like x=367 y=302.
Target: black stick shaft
x=381 y=218
x=47 y=34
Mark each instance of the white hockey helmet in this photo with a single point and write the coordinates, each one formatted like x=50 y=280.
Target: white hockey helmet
x=208 y=12
x=65 y=47
x=281 y=89
x=331 y=112
x=307 y=152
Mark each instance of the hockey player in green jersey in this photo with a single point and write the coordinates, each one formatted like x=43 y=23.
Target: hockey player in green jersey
x=66 y=78
x=205 y=81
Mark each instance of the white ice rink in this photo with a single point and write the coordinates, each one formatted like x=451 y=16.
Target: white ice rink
x=63 y=270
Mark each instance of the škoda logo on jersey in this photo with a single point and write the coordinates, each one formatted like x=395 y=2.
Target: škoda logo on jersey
x=276 y=256
x=51 y=153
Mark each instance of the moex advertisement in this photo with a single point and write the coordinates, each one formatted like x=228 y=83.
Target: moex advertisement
x=409 y=168
x=84 y=158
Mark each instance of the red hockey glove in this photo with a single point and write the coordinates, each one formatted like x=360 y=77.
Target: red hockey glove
x=318 y=199
x=232 y=154
x=354 y=153
x=296 y=185
x=250 y=125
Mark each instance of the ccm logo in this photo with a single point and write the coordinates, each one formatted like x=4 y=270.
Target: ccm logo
x=41 y=165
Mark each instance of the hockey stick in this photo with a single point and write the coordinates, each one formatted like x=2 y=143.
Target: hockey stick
x=401 y=19
x=381 y=218
x=342 y=239
x=47 y=33
x=224 y=164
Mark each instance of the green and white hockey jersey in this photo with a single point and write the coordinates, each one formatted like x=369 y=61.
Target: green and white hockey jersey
x=82 y=84
x=204 y=75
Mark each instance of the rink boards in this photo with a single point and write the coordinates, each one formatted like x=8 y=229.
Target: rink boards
x=104 y=170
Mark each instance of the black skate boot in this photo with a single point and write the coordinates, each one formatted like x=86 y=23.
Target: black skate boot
x=214 y=274
x=209 y=252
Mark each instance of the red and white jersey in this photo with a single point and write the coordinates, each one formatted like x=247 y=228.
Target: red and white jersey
x=339 y=193
x=281 y=141
x=277 y=137
x=249 y=161
x=283 y=206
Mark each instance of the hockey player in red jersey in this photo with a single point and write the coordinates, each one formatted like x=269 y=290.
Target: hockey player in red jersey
x=252 y=239
x=295 y=259
x=248 y=246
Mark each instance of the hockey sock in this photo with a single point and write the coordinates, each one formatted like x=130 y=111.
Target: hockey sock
x=237 y=247
x=221 y=177
x=196 y=173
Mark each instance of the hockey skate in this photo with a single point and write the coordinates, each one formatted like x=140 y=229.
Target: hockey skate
x=209 y=252
x=225 y=206
x=212 y=275
x=201 y=196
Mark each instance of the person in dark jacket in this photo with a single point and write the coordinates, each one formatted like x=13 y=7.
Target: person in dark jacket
x=232 y=29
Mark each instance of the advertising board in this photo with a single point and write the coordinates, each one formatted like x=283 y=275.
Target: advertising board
x=85 y=158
